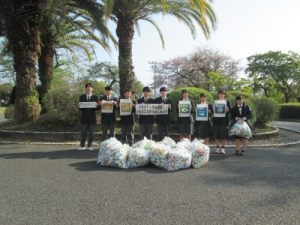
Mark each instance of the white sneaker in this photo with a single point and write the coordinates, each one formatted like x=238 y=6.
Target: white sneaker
x=90 y=148
x=217 y=151
x=222 y=151
x=81 y=148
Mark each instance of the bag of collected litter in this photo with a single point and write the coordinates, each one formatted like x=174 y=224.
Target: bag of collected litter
x=178 y=158
x=185 y=143
x=200 y=153
x=159 y=155
x=112 y=153
x=137 y=157
x=240 y=129
x=169 y=142
x=145 y=144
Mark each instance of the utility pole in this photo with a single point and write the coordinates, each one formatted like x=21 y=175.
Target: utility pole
x=154 y=68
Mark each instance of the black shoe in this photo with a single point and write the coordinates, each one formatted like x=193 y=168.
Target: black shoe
x=237 y=152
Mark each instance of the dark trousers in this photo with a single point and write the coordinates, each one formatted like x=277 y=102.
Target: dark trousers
x=162 y=131
x=127 y=133
x=105 y=128
x=87 y=128
x=146 y=130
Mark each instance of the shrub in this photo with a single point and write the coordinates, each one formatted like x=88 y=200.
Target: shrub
x=194 y=94
x=290 y=110
x=62 y=107
x=267 y=110
x=9 y=112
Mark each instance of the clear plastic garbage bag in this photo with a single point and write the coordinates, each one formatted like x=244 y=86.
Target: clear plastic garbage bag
x=240 y=129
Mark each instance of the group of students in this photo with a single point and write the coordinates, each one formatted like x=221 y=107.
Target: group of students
x=215 y=127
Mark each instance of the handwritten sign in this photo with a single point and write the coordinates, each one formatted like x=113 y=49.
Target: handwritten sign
x=185 y=108
x=88 y=105
x=125 y=107
x=202 y=112
x=152 y=109
x=220 y=108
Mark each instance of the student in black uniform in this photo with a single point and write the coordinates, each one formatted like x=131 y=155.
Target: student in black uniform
x=185 y=123
x=242 y=112
x=163 y=121
x=88 y=117
x=202 y=128
x=220 y=125
x=127 y=122
x=108 y=120
x=146 y=122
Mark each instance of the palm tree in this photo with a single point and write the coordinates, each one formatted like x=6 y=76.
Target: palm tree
x=127 y=13
x=20 y=23
x=66 y=28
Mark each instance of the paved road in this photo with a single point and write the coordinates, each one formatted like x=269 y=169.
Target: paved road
x=289 y=125
x=57 y=185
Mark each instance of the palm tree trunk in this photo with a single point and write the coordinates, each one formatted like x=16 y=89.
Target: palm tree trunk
x=125 y=33
x=22 y=19
x=46 y=69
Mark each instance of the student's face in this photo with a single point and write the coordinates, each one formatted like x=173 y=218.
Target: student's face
x=127 y=94
x=203 y=99
x=89 y=89
x=185 y=95
x=147 y=94
x=163 y=93
x=239 y=102
x=221 y=96
x=108 y=92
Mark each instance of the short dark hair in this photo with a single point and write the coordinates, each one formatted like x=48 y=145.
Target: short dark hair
x=239 y=97
x=146 y=89
x=127 y=90
x=202 y=95
x=184 y=91
x=88 y=84
x=163 y=89
x=108 y=88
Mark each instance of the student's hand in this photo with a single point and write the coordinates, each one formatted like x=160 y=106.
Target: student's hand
x=244 y=118
x=169 y=106
x=100 y=102
x=238 y=118
x=227 y=109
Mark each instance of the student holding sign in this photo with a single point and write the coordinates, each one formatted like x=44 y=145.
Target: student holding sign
x=221 y=109
x=203 y=123
x=185 y=107
x=108 y=105
x=146 y=121
x=127 y=110
x=88 y=106
x=163 y=121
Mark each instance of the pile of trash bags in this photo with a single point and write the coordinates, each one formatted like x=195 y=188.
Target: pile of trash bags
x=240 y=129
x=166 y=154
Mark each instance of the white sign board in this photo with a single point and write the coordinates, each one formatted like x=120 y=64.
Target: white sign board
x=86 y=105
x=107 y=106
x=220 y=108
x=152 y=109
x=202 y=112
x=125 y=107
x=184 y=108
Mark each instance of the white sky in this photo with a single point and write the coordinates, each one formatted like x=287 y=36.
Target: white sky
x=245 y=27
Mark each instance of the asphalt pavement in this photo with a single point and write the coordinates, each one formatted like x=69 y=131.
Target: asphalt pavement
x=59 y=185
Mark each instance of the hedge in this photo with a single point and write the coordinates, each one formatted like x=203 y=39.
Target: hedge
x=290 y=110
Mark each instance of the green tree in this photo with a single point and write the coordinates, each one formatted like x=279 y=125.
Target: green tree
x=20 y=23
x=275 y=69
x=65 y=27
x=127 y=13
